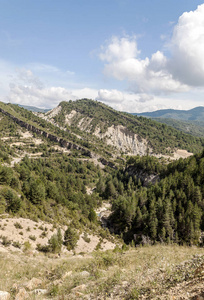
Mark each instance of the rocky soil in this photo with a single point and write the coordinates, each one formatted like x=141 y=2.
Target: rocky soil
x=17 y=231
x=154 y=272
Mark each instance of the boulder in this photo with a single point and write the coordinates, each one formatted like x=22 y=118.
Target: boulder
x=40 y=291
x=4 y=295
x=33 y=283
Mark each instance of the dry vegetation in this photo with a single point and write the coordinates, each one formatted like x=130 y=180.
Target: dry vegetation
x=152 y=272
x=15 y=232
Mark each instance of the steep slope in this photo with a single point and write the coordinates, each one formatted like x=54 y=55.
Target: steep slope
x=155 y=201
x=195 y=128
x=66 y=139
x=41 y=181
x=129 y=134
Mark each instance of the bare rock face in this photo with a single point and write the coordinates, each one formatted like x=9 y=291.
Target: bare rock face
x=125 y=140
x=4 y=295
x=118 y=136
x=145 y=177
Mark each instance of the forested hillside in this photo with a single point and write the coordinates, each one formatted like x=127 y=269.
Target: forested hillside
x=151 y=198
x=195 y=128
x=171 y=210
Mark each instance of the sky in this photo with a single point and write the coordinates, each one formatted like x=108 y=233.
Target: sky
x=132 y=55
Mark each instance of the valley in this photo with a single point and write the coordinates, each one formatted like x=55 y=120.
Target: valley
x=99 y=204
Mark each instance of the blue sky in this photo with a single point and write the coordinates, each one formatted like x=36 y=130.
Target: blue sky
x=132 y=55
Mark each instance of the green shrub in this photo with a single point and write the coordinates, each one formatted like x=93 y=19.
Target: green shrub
x=26 y=246
x=86 y=238
x=43 y=248
x=43 y=234
x=5 y=241
x=71 y=238
x=55 y=242
x=16 y=245
x=32 y=237
x=18 y=225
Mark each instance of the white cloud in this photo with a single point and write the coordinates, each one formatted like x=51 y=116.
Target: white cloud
x=110 y=96
x=85 y=93
x=143 y=75
x=129 y=102
x=158 y=73
x=187 y=46
x=40 y=97
x=40 y=85
x=119 y=49
x=27 y=77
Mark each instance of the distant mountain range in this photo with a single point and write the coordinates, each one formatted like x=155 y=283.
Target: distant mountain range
x=35 y=109
x=189 y=121
x=195 y=114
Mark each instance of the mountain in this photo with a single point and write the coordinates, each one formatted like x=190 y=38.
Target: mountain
x=73 y=205
x=52 y=160
x=121 y=131
x=195 y=114
x=189 y=121
x=35 y=109
x=195 y=128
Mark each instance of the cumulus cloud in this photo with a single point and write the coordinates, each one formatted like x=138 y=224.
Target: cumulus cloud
x=119 y=49
x=28 y=89
x=187 y=46
x=143 y=75
x=110 y=96
x=158 y=73
x=124 y=101
x=40 y=97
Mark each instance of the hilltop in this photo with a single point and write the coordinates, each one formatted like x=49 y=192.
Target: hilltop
x=129 y=134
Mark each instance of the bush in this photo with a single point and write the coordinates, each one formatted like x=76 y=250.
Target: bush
x=92 y=216
x=5 y=241
x=32 y=237
x=55 y=242
x=71 y=238
x=43 y=234
x=43 y=248
x=16 y=245
x=26 y=246
x=86 y=238
x=18 y=225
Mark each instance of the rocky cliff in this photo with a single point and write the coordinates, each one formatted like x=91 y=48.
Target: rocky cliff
x=118 y=136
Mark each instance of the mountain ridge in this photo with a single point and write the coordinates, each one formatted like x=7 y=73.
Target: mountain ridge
x=194 y=114
x=93 y=117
